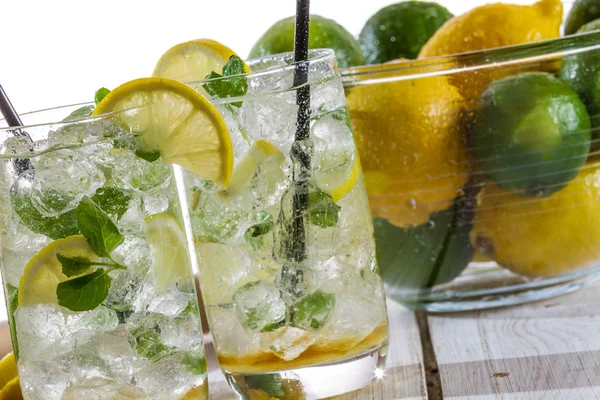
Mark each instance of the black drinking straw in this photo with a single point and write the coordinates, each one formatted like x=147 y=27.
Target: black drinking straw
x=13 y=120
x=296 y=248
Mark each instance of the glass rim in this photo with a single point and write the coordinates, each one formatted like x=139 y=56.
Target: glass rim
x=79 y=120
x=315 y=56
x=543 y=51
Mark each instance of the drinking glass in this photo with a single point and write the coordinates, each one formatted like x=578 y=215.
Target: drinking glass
x=95 y=263
x=287 y=260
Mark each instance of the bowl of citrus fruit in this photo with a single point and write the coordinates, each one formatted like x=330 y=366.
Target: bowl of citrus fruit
x=478 y=139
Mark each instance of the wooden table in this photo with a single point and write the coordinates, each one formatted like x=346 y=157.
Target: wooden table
x=548 y=350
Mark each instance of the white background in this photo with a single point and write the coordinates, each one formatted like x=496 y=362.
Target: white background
x=59 y=52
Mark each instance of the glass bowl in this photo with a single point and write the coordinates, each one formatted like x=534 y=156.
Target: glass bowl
x=483 y=172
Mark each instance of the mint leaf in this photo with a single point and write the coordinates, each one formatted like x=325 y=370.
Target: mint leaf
x=54 y=227
x=12 y=294
x=101 y=233
x=101 y=94
x=235 y=86
x=81 y=112
x=148 y=344
x=194 y=363
x=255 y=234
x=313 y=310
x=112 y=200
x=84 y=293
x=72 y=266
x=149 y=156
x=322 y=210
x=271 y=384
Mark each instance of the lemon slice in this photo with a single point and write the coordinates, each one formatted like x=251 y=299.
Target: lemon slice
x=8 y=369
x=11 y=391
x=260 y=153
x=193 y=60
x=44 y=272
x=170 y=260
x=337 y=177
x=179 y=122
x=196 y=393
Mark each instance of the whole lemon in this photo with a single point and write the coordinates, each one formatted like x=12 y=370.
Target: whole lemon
x=491 y=26
x=541 y=236
x=411 y=146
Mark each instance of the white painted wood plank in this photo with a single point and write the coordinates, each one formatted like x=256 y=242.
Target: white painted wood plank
x=550 y=347
x=404 y=377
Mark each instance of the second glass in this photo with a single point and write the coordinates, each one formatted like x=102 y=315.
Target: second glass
x=291 y=284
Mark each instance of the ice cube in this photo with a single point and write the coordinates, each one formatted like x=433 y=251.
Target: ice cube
x=334 y=152
x=102 y=388
x=134 y=173
x=19 y=245
x=354 y=317
x=44 y=379
x=166 y=379
x=168 y=303
x=327 y=95
x=216 y=220
x=84 y=325
x=61 y=179
x=259 y=306
x=230 y=336
x=271 y=118
x=287 y=342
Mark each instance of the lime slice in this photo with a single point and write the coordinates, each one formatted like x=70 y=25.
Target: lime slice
x=193 y=60
x=11 y=391
x=180 y=123
x=261 y=152
x=8 y=369
x=44 y=272
x=170 y=260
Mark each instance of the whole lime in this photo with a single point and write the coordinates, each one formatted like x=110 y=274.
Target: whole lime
x=582 y=12
x=530 y=133
x=323 y=33
x=427 y=255
x=400 y=30
x=582 y=72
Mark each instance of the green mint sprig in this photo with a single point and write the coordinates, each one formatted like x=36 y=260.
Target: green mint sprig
x=322 y=210
x=255 y=234
x=87 y=292
x=101 y=94
x=312 y=312
x=235 y=86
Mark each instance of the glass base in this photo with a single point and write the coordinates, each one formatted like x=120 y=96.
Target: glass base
x=312 y=382
x=485 y=285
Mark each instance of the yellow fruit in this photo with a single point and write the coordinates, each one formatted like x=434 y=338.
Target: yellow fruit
x=44 y=272
x=8 y=369
x=183 y=125
x=12 y=391
x=197 y=393
x=490 y=26
x=193 y=60
x=496 y=25
x=411 y=146
x=541 y=236
x=170 y=257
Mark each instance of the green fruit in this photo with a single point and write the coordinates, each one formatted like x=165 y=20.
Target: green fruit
x=400 y=30
x=323 y=33
x=530 y=133
x=582 y=72
x=583 y=11
x=427 y=255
